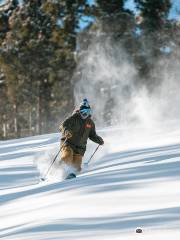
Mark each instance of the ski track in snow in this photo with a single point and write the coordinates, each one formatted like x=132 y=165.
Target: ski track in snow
x=133 y=181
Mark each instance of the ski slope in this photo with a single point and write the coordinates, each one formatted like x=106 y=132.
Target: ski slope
x=133 y=181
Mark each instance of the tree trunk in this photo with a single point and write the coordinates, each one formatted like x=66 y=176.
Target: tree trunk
x=30 y=121
x=38 y=116
x=16 y=123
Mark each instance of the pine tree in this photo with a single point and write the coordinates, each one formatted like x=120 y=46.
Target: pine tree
x=38 y=60
x=154 y=13
x=115 y=20
x=8 y=89
x=110 y=8
x=153 y=23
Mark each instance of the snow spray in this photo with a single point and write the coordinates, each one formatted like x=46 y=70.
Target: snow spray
x=108 y=78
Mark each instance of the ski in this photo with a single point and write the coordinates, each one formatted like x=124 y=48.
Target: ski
x=42 y=179
x=70 y=176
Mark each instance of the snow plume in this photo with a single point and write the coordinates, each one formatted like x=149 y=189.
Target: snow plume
x=108 y=78
x=168 y=92
x=44 y=161
x=160 y=106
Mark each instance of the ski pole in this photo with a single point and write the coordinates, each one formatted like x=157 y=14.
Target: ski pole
x=92 y=155
x=43 y=178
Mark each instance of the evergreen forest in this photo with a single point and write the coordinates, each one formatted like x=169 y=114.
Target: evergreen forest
x=43 y=41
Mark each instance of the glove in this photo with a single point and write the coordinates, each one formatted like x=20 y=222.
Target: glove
x=101 y=142
x=68 y=134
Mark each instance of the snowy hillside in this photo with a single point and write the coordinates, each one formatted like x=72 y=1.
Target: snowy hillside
x=133 y=181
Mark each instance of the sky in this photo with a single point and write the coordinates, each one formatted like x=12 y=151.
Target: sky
x=2 y=1
x=173 y=12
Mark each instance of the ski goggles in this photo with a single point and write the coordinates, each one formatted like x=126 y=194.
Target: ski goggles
x=85 y=113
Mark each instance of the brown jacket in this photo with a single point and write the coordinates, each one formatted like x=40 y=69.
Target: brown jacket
x=81 y=130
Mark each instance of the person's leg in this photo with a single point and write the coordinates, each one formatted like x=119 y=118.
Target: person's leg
x=77 y=161
x=67 y=163
x=71 y=159
x=67 y=155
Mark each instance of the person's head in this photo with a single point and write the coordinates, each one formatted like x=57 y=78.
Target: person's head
x=85 y=109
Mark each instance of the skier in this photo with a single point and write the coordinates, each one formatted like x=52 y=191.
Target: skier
x=76 y=130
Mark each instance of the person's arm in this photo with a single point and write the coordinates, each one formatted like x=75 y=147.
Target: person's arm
x=94 y=137
x=66 y=128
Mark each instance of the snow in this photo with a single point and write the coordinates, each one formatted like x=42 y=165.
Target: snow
x=132 y=182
